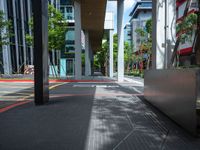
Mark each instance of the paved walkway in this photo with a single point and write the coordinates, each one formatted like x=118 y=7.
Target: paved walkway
x=92 y=116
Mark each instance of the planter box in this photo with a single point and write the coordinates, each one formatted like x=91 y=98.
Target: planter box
x=176 y=93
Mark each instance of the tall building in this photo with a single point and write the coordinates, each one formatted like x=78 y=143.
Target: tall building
x=66 y=63
x=127 y=33
x=142 y=11
x=15 y=56
x=67 y=55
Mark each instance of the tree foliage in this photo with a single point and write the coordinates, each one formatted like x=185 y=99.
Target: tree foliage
x=100 y=58
x=128 y=56
x=57 y=28
x=146 y=43
x=186 y=28
x=5 y=30
x=5 y=34
x=149 y=26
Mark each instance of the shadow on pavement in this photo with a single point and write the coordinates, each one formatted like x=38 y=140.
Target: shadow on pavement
x=92 y=118
x=62 y=124
x=148 y=127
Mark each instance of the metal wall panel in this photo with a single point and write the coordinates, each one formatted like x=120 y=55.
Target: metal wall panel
x=174 y=92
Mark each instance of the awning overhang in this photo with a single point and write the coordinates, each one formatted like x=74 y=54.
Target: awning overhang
x=92 y=19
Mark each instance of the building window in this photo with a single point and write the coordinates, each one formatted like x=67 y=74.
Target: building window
x=67 y=11
x=70 y=36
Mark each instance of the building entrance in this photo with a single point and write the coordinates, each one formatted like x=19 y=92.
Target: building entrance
x=70 y=67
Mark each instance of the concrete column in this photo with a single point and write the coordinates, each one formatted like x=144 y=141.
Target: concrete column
x=40 y=19
x=87 y=55
x=110 y=53
x=158 y=34
x=170 y=30
x=120 y=32
x=15 y=31
x=78 y=47
x=154 y=33
x=6 y=48
x=164 y=30
x=23 y=31
x=30 y=30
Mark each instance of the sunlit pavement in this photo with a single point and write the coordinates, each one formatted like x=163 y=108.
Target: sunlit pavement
x=92 y=116
x=16 y=92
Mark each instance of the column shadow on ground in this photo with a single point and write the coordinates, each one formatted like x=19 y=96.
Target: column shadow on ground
x=61 y=124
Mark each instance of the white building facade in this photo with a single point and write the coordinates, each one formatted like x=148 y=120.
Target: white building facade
x=142 y=11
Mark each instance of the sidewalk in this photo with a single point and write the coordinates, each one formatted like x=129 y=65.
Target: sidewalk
x=92 y=116
x=136 y=80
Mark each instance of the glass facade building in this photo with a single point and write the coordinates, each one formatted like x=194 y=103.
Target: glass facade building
x=19 y=13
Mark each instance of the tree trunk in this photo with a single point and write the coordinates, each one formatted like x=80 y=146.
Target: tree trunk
x=128 y=67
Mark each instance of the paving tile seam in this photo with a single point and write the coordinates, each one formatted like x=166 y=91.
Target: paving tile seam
x=155 y=121
x=111 y=104
x=164 y=139
x=130 y=123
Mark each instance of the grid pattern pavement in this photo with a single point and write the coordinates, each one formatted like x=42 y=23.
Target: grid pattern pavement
x=93 y=116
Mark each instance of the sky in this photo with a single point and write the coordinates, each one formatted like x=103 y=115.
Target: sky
x=128 y=5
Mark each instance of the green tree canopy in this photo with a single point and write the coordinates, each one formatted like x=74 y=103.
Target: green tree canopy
x=5 y=30
x=57 y=28
x=186 y=28
x=148 y=26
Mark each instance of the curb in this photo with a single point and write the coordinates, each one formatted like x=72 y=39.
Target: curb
x=53 y=81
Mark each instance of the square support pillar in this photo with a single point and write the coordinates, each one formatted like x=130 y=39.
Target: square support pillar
x=78 y=47
x=154 y=33
x=120 y=32
x=40 y=19
x=110 y=53
x=87 y=55
x=158 y=37
x=170 y=31
x=164 y=32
